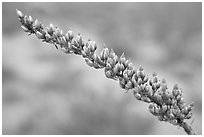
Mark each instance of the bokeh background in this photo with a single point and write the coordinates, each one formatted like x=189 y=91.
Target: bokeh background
x=45 y=91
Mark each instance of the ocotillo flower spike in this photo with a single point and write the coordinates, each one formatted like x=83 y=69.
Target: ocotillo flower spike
x=167 y=105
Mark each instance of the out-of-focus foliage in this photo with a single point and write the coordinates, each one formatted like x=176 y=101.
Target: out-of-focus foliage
x=48 y=92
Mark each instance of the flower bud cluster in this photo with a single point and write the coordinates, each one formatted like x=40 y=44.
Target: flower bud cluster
x=168 y=105
x=165 y=104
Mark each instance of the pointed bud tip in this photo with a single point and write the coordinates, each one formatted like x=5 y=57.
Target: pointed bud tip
x=176 y=86
x=19 y=13
x=154 y=74
x=163 y=80
x=141 y=68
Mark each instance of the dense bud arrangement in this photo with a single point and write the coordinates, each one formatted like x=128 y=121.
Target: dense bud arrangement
x=167 y=105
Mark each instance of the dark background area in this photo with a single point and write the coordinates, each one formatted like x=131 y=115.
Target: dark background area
x=45 y=91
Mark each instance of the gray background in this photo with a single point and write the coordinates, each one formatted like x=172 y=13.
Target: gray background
x=48 y=92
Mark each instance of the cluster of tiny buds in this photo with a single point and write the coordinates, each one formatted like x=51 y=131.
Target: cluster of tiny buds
x=165 y=104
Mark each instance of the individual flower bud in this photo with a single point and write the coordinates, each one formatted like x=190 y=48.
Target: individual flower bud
x=104 y=54
x=54 y=35
x=122 y=68
x=126 y=63
x=108 y=66
x=150 y=82
x=70 y=34
x=39 y=35
x=134 y=81
x=130 y=73
x=64 y=49
x=26 y=20
x=149 y=93
x=109 y=74
x=157 y=110
x=178 y=111
x=158 y=85
x=154 y=74
x=93 y=46
x=142 y=87
x=115 y=58
x=75 y=43
x=116 y=68
x=146 y=88
x=145 y=79
x=171 y=115
x=169 y=102
x=180 y=92
x=83 y=53
x=166 y=95
x=175 y=92
x=151 y=109
x=122 y=59
x=181 y=116
x=174 y=111
x=164 y=108
x=191 y=104
x=174 y=122
x=122 y=83
x=141 y=68
x=190 y=107
x=58 y=41
x=52 y=28
x=37 y=25
x=97 y=60
x=57 y=31
x=49 y=31
x=130 y=66
x=79 y=39
x=86 y=50
x=154 y=89
x=43 y=32
x=112 y=53
x=110 y=62
x=164 y=85
x=137 y=96
x=145 y=99
x=175 y=106
x=151 y=105
x=64 y=41
x=96 y=66
x=160 y=118
x=155 y=79
x=189 y=116
x=139 y=81
x=129 y=85
x=25 y=28
x=67 y=37
x=174 y=102
x=125 y=75
x=100 y=62
x=89 y=62
x=61 y=33
x=185 y=110
x=180 y=100
x=30 y=19
x=19 y=13
x=176 y=87
x=158 y=98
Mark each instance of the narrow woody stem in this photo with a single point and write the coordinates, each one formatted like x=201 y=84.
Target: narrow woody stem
x=167 y=105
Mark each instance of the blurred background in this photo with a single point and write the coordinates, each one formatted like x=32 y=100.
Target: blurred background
x=45 y=91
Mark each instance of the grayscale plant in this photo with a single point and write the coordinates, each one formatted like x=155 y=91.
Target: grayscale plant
x=164 y=103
